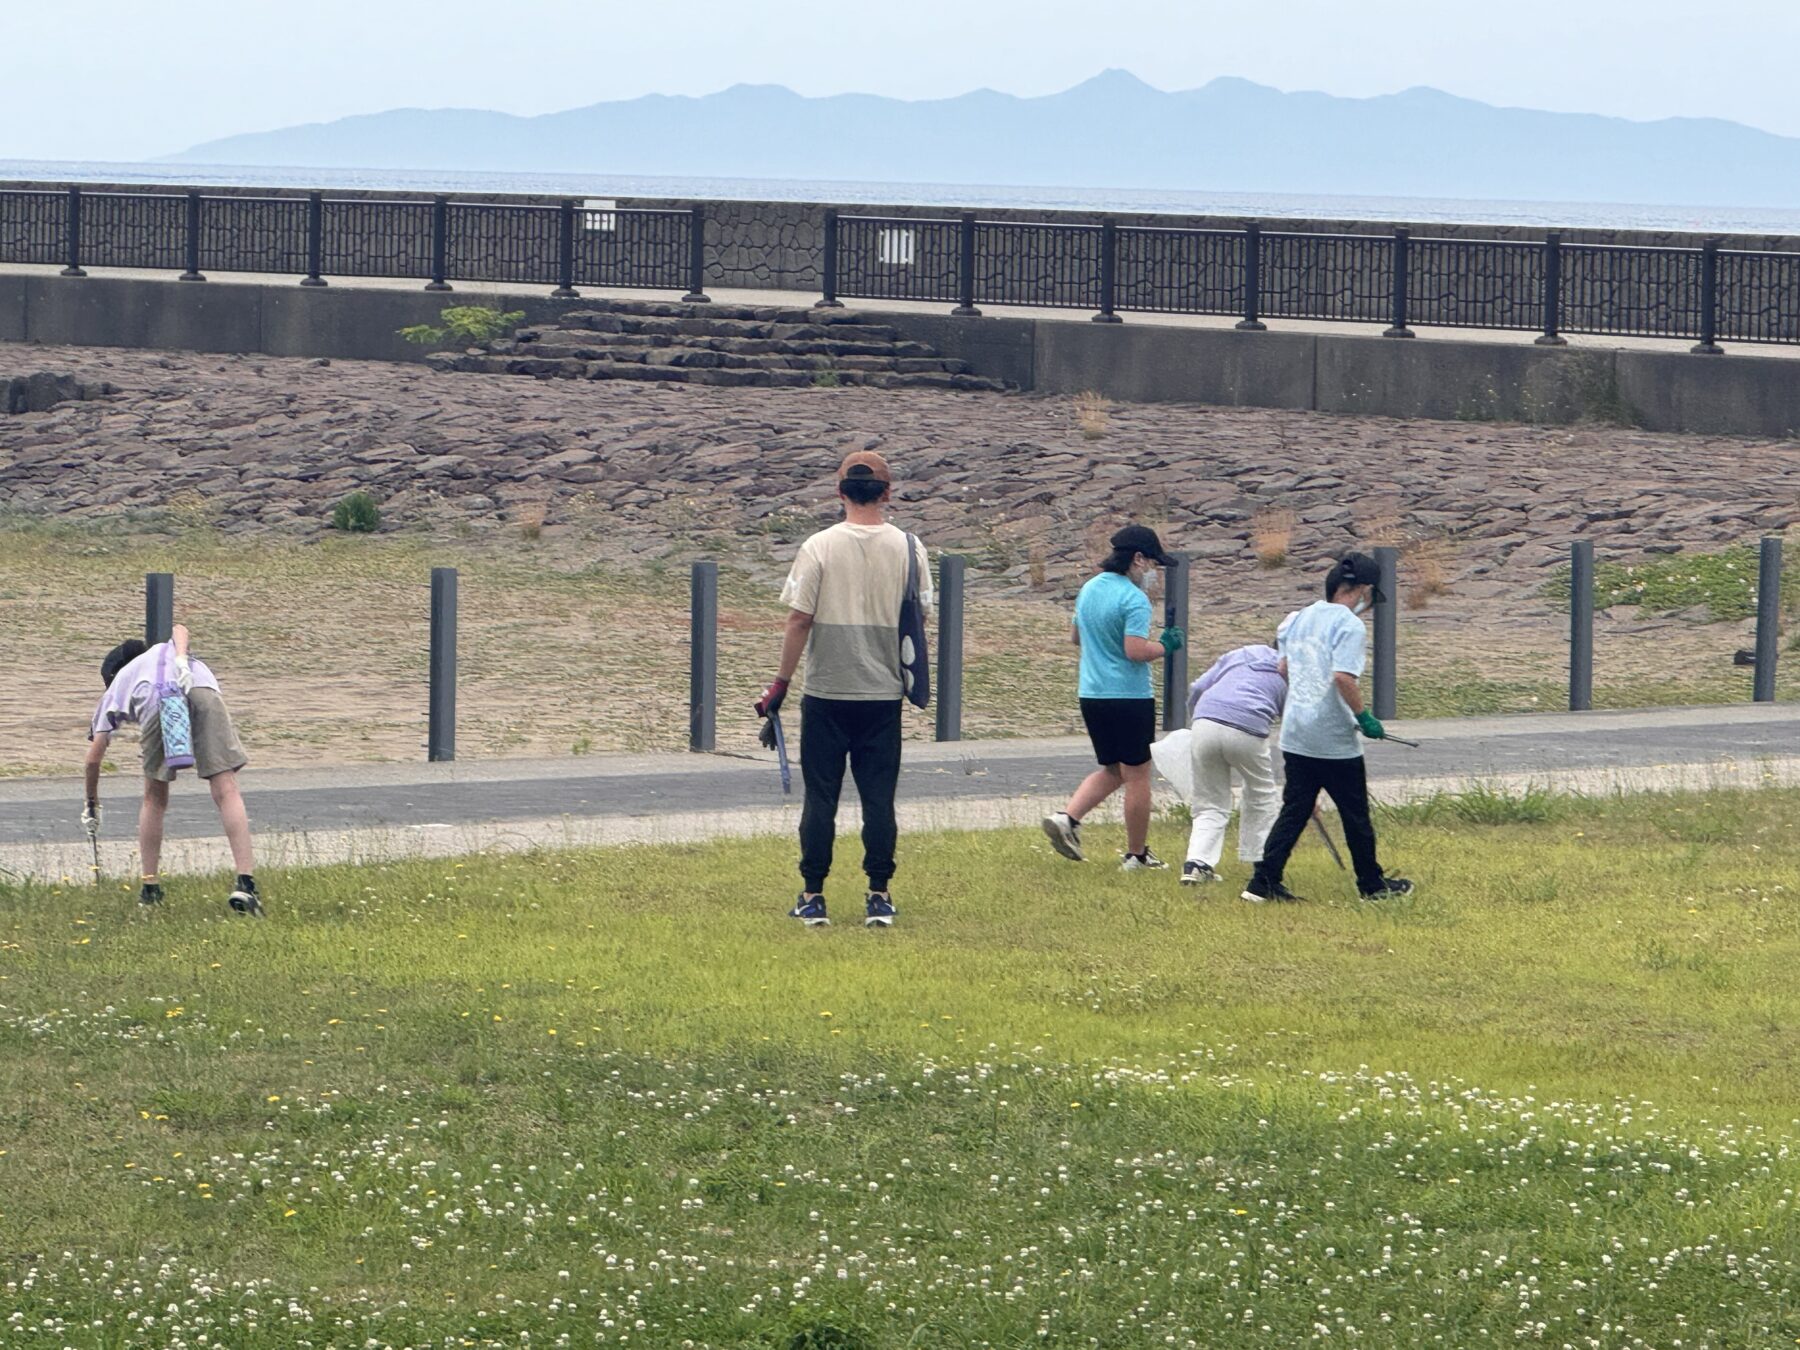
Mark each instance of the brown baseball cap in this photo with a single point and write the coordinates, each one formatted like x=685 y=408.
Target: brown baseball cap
x=865 y=464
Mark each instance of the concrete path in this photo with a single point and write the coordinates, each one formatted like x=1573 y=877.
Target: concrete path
x=507 y=293
x=369 y=811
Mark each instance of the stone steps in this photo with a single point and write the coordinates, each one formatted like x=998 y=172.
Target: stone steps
x=734 y=346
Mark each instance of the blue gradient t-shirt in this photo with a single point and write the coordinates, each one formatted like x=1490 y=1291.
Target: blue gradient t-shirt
x=1322 y=640
x=1110 y=608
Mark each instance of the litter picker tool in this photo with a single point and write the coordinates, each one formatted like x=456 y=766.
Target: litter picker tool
x=781 y=754
x=1400 y=740
x=1325 y=834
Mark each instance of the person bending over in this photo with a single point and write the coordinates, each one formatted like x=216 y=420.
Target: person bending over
x=134 y=674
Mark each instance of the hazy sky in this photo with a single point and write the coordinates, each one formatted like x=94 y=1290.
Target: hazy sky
x=125 y=79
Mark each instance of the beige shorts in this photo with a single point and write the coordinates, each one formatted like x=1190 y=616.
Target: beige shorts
x=217 y=749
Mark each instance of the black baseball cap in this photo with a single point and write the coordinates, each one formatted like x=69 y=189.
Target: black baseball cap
x=1356 y=569
x=1142 y=539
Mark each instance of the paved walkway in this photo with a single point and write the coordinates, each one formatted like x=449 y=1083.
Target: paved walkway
x=508 y=291
x=366 y=811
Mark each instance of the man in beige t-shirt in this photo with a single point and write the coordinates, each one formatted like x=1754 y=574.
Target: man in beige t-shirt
x=843 y=596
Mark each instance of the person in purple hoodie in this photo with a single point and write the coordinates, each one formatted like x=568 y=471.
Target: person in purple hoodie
x=1233 y=707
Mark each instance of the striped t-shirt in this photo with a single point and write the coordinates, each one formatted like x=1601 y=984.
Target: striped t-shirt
x=851 y=579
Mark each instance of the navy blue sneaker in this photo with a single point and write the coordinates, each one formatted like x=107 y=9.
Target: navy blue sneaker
x=810 y=910
x=880 y=910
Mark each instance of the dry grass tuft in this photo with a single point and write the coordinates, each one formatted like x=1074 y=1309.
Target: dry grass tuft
x=1092 y=414
x=530 y=517
x=1272 y=534
x=1425 y=571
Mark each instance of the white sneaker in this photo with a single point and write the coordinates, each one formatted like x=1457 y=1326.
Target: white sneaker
x=1065 y=836
x=1145 y=861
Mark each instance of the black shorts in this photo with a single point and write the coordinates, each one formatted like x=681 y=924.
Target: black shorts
x=1120 y=728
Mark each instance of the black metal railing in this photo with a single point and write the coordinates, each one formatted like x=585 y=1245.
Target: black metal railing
x=1700 y=294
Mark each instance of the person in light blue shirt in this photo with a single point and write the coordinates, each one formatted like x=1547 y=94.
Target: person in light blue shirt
x=1324 y=646
x=1118 y=702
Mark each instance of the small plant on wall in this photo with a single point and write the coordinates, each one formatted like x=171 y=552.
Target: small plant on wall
x=463 y=326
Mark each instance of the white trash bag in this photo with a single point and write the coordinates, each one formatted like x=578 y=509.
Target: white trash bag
x=1173 y=756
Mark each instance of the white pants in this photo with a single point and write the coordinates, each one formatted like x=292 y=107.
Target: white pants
x=1220 y=755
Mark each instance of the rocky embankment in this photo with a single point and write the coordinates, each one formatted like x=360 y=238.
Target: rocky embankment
x=1025 y=483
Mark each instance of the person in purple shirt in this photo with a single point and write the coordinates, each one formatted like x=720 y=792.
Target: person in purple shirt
x=1233 y=707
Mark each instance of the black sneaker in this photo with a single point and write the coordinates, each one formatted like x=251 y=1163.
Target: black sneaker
x=810 y=910
x=152 y=894
x=244 y=900
x=879 y=910
x=1197 y=873
x=1065 y=836
x=1260 y=891
x=1390 y=887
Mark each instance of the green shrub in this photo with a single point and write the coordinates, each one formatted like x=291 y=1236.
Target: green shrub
x=356 y=514
x=463 y=326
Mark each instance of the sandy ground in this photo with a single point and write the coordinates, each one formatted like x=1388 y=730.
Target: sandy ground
x=574 y=573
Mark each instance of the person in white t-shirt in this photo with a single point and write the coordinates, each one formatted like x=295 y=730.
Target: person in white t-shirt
x=1324 y=646
x=135 y=675
x=844 y=596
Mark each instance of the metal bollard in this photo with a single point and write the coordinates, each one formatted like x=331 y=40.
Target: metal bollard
x=1175 y=667
x=951 y=571
x=703 y=659
x=1581 y=625
x=1768 y=618
x=1387 y=692
x=159 y=606
x=441 y=738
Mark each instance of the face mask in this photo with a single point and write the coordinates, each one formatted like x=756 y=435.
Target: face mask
x=1361 y=606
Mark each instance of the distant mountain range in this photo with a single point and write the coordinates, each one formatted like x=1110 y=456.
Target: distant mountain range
x=1111 y=131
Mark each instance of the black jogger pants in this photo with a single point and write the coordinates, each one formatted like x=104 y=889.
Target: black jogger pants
x=866 y=736
x=1346 y=783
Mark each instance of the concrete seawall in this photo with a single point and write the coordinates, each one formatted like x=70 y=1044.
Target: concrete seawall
x=1135 y=362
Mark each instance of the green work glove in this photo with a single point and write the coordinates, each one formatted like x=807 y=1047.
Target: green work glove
x=1173 y=640
x=1370 y=727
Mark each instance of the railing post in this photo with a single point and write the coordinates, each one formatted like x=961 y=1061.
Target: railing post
x=1709 y=301
x=1581 y=625
x=1768 y=618
x=1109 y=270
x=1552 y=337
x=440 y=243
x=828 y=263
x=697 y=257
x=315 y=239
x=73 y=225
x=951 y=571
x=1175 y=667
x=965 y=269
x=193 y=239
x=1402 y=264
x=441 y=737
x=703 y=659
x=1251 y=322
x=159 y=606
x=565 y=253
x=1387 y=687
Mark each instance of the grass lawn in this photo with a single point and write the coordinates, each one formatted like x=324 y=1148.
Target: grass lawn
x=611 y=1097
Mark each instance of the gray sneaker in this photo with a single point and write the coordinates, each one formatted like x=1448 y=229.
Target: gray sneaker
x=1197 y=873
x=1065 y=836
x=1142 y=862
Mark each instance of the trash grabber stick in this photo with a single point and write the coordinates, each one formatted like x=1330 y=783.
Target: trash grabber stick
x=1325 y=834
x=787 y=773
